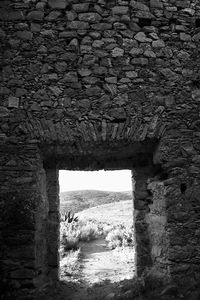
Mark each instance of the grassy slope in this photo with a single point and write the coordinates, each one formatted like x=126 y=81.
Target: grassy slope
x=113 y=213
x=80 y=200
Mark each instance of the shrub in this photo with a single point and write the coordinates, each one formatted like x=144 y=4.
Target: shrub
x=72 y=233
x=120 y=236
x=115 y=238
x=90 y=231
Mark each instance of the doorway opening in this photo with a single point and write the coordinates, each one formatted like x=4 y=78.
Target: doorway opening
x=97 y=243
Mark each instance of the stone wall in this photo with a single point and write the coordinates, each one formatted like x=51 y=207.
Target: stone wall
x=97 y=84
x=24 y=208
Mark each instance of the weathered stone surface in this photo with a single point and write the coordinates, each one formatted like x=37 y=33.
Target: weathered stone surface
x=13 y=102
x=185 y=37
x=15 y=16
x=120 y=10
x=24 y=35
x=141 y=37
x=35 y=15
x=3 y=111
x=75 y=25
x=139 y=6
x=81 y=7
x=53 y=15
x=89 y=17
x=158 y=44
x=156 y=4
x=117 y=52
x=131 y=74
x=57 y=4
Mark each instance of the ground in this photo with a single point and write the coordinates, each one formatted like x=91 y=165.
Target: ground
x=99 y=268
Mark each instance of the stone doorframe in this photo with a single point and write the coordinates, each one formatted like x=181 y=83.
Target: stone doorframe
x=143 y=173
x=146 y=236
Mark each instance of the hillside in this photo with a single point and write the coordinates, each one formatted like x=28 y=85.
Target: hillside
x=113 y=213
x=79 y=200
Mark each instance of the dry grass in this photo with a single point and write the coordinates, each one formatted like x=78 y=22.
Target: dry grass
x=113 y=213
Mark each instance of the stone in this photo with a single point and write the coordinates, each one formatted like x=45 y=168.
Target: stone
x=84 y=72
x=189 y=11
x=74 y=44
x=112 y=80
x=169 y=74
x=4 y=90
x=35 y=27
x=20 y=92
x=75 y=25
x=131 y=74
x=22 y=273
x=84 y=49
x=2 y=34
x=110 y=296
x=136 y=51
x=154 y=36
x=169 y=101
x=117 y=52
x=180 y=28
x=55 y=90
x=67 y=34
x=117 y=113
x=15 y=16
x=140 y=61
x=141 y=37
x=156 y=4
x=158 y=44
x=40 y=5
x=139 y=6
x=35 y=15
x=57 y=4
x=143 y=14
x=42 y=49
x=4 y=112
x=53 y=15
x=196 y=37
x=24 y=35
x=185 y=37
x=61 y=66
x=13 y=102
x=71 y=15
x=80 y=7
x=71 y=77
x=120 y=10
x=150 y=54
x=89 y=17
x=97 y=44
x=101 y=26
x=94 y=91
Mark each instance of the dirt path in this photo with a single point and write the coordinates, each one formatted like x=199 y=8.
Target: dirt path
x=98 y=269
x=99 y=263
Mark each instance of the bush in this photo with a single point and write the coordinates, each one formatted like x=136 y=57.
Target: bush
x=72 y=233
x=120 y=236
x=90 y=231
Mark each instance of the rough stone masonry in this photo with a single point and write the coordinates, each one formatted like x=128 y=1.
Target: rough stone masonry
x=100 y=84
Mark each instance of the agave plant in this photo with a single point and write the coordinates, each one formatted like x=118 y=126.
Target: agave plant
x=69 y=217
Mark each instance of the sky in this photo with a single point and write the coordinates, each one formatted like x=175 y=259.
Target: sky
x=116 y=181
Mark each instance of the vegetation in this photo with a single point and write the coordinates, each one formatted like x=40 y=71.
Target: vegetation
x=73 y=232
x=120 y=236
x=111 y=221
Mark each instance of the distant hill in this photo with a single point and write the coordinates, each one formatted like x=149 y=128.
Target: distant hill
x=75 y=201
